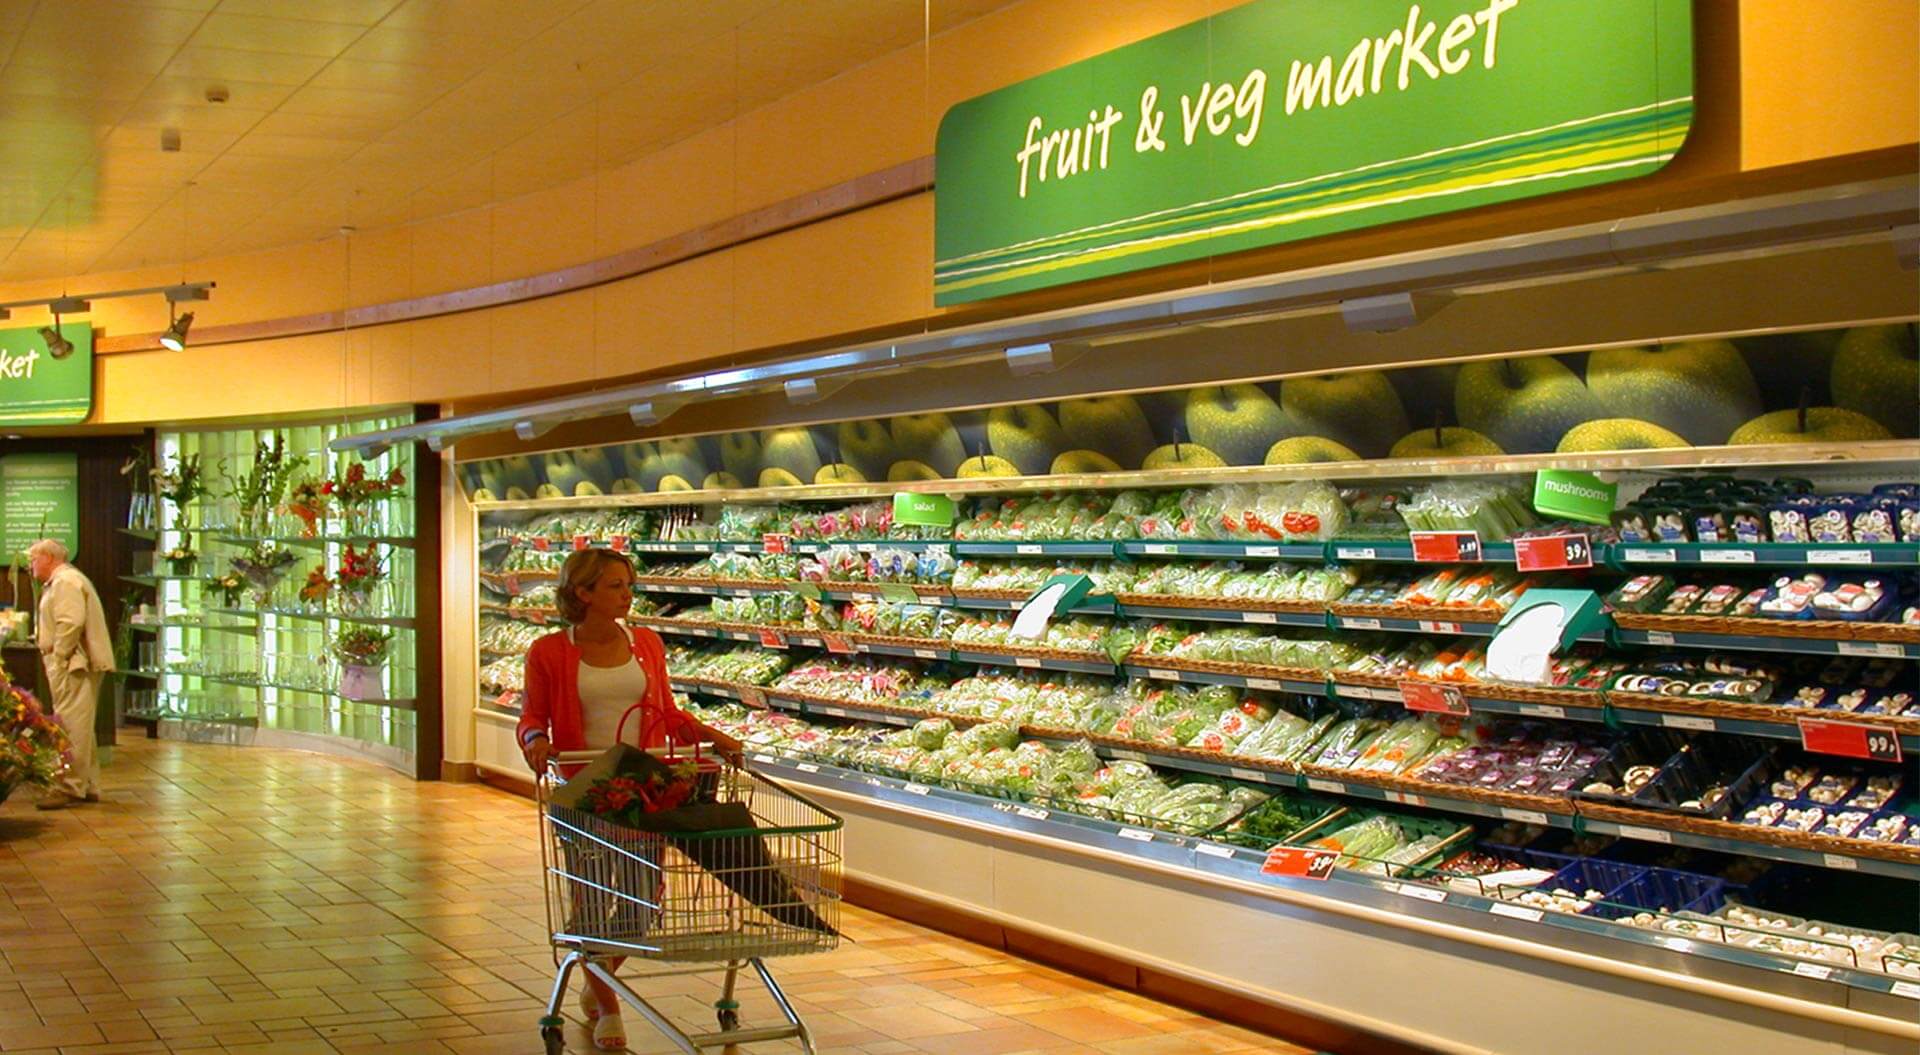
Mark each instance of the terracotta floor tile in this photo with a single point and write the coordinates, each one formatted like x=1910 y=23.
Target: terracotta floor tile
x=227 y=901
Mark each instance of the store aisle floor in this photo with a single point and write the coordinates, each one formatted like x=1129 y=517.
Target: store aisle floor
x=247 y=900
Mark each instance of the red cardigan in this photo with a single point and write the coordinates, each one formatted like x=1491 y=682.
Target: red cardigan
x=552 y=702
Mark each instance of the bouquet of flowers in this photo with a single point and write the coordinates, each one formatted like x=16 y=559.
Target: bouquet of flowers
x=180 y=484
x=230 y=585
x=264 y=566
x=355 y=490
x=309 y=500
x=360 y=571
x=623 y=799
x=362 y=646
x=258 y=492
x=180 y=558
x=33 y=745
x=317 y=587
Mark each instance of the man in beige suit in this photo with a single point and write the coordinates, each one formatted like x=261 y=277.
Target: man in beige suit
x=77 y=652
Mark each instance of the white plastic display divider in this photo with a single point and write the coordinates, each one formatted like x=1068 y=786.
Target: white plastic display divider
x=1475 y=907
x=1817 y=646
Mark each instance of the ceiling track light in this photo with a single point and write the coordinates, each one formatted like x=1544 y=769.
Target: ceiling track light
x=174 y=337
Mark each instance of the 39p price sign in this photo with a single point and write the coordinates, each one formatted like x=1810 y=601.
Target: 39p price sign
x=1553 y=552
x=1300 y=862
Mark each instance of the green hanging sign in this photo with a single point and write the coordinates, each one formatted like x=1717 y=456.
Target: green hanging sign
x=39 y=387
x=1574 y=495
x=923 y=510
x=39 y=498
x=1287 y=119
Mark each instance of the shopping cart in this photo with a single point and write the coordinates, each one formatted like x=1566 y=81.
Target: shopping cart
x=693 y=901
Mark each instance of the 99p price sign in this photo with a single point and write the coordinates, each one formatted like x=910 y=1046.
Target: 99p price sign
x=1850 y=739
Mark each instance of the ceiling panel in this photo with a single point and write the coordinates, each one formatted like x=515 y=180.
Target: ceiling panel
x=282 y=36
x=374 y=111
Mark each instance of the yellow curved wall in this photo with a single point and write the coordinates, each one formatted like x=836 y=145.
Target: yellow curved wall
x=1783 y=82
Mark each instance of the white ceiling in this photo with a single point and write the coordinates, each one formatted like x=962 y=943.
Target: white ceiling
x=370 y=112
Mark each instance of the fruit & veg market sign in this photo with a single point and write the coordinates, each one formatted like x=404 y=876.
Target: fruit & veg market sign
x=1287 y=119
x=36 y=388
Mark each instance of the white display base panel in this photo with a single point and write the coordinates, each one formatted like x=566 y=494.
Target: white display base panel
x=1420 y=988
x=493 y=745
x=393 y=758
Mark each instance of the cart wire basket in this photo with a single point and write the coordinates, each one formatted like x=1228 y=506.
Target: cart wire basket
x=721 y=900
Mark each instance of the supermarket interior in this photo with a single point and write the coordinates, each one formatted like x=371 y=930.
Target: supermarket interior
x=953 y=526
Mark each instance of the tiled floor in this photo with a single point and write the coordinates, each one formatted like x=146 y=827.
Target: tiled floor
x=246 y=900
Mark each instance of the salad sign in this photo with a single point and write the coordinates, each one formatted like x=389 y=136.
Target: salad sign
x=1849 y=739
x=1446 y=547
x=1279 y=120
x=923 y=510
x=1300 y=862
x=39 y=497
x=1553 y=552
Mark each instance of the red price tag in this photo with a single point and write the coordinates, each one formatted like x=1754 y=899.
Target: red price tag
x=1446 y=547
x=1553 y=553
x=1302 y=862
x=618 y=543
x=774 y=543
x=511 y=584
x=1438 y=699
x=1850 y=739
x=542 y=544
x=838 y=643
x=773 y=639
x=509 y=700
x=581 y=542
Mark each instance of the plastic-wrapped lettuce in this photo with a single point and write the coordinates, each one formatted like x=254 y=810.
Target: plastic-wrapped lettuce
x=930 y=733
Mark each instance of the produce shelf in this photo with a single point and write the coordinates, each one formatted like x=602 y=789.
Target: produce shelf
x=1316 y=620
x=1818 y=646
x=988 y=657
x=1137 y=668
x=1307 y=551
x=1099 y=550
x=1400 y=551
x=1207 y=858
x=1772 y=554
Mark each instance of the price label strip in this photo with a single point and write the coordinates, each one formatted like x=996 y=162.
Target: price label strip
x=1300 y=862
x=1825 y=736
x=1553 y=552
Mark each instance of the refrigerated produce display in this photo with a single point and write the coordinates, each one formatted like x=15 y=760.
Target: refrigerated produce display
x=1290 y=678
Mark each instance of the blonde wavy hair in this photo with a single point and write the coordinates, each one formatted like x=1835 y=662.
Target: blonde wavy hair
x=584 y=568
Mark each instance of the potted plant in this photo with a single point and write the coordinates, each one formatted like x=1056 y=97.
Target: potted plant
x=230 y=585
x=309 y=500
x=33 y=746
x=181 y=559
x=180 y=485
x=313 y=593
x=257 y=494
x=362 y=652
x=361 y=572
x=264 y=565
x=356 y=492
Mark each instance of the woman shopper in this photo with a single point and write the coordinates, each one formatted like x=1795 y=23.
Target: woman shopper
x=581 y=681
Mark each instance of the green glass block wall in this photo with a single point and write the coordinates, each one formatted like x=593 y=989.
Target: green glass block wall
x=265 y=655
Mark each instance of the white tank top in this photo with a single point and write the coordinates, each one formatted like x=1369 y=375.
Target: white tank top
x=606 y=693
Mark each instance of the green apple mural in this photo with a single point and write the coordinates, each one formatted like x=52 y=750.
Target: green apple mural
x=1876 y=372
x=1028 y=436
x=1701 y=390
x=1237 y=423
x=1360 y=411
x=1524 y=405
x=1114 y=426
x=1840 y=386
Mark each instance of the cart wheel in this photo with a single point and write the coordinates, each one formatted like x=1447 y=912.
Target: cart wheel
x=556 y=1042
x=729 y=1019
